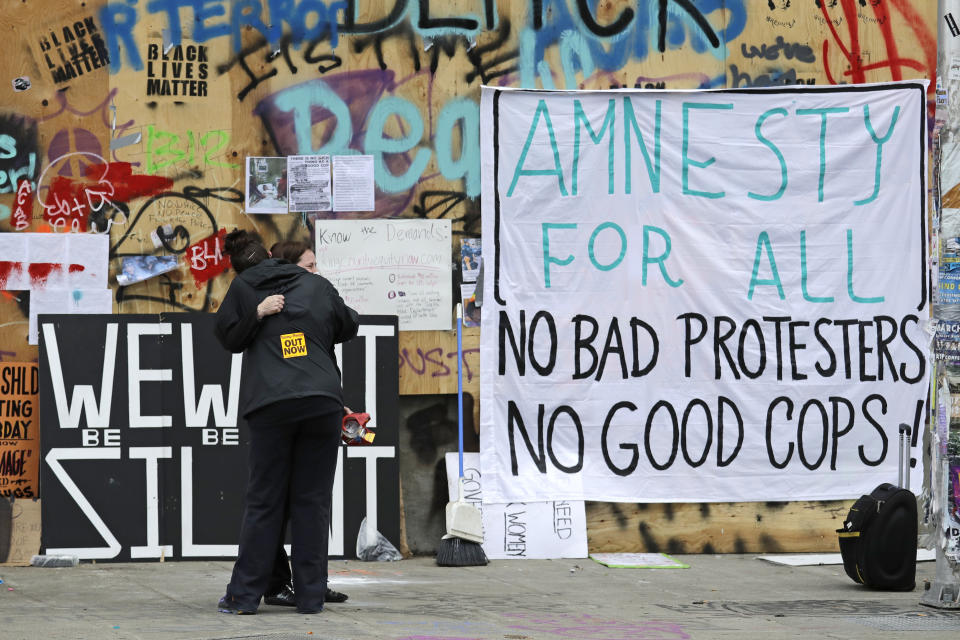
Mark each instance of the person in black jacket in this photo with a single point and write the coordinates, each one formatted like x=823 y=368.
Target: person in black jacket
x=285 y=320
x=280 y=589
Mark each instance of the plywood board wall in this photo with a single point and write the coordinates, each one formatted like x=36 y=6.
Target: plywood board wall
x=85 y=82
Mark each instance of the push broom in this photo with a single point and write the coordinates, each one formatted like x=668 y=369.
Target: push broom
x=460 y=547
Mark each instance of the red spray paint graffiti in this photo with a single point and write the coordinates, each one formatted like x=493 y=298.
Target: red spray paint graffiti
x=431 y=363
x=854 y=53
x=69 y=202
x=6 y=269
x=24 y=208
x=39 y=272
x=207 y=259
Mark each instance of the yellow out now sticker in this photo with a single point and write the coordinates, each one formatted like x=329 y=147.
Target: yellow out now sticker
x=293 y=345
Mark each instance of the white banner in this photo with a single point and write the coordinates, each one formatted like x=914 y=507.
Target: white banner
x=520 y=530
x=702 y=295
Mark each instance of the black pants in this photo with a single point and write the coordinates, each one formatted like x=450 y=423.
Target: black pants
x=296 y=459
x=280 y=576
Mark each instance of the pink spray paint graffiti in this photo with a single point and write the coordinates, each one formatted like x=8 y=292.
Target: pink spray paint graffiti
x=431 y=363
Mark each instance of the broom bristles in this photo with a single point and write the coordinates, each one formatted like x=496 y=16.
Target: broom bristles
x=457 y=552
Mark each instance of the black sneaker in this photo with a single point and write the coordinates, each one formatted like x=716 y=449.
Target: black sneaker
x=228 y=605
x=334 y=596
x=282 y=598
x=285 y=597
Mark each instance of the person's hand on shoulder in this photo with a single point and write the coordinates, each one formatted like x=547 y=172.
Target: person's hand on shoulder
x=269 y=306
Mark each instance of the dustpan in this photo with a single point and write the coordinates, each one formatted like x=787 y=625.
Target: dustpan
x=463 y=519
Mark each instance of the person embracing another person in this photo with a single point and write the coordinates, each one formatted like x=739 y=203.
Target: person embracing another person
x=285 y=320
x=280 y=590
x=295 y=252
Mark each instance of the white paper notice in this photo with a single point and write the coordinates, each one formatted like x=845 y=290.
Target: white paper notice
x=53 y=261
x=398 y=267
x=954 y=73
x=533 y=530
x=67 y=301
x=353 y=183
x=309 y=183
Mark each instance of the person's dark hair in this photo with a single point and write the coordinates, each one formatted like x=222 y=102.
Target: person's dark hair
x=289 y=250
x=245 y=249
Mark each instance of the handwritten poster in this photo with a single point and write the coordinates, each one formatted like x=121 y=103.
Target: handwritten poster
x=532 y=530
x=702 y=295
x=19 y=430
x=393 y=267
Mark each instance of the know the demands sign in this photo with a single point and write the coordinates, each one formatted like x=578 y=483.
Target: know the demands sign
x=701 y=296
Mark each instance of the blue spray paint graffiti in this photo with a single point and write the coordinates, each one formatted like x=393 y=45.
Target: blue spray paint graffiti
x=303 y=20
x=632 y=35
x=351 y=110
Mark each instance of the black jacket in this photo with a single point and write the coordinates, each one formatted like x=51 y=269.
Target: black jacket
x=289 y=354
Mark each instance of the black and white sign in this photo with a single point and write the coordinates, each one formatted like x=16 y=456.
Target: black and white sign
x=144 y=454
x=724 y=301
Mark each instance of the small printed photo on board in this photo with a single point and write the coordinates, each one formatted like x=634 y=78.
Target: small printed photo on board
x=470 y=258
x=471 y=312
x=266 y=185
x=139 y=268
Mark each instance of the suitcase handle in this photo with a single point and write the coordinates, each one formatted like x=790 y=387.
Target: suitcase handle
x=903 y=468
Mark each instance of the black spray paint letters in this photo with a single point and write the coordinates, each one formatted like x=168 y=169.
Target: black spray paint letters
x=179 y=71
x=73 y=50
x=790 y=51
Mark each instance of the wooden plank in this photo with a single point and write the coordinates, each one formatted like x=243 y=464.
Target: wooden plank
x=787 y=43
x=200 y=143
x=734 y=527
x=428 y=362
x=14 y=326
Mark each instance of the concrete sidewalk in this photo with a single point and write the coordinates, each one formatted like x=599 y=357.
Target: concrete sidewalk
x=728 y=596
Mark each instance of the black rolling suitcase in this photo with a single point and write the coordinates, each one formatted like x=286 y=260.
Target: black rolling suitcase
x=878 y=540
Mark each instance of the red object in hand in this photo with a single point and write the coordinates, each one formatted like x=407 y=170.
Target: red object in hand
x=355 y=429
